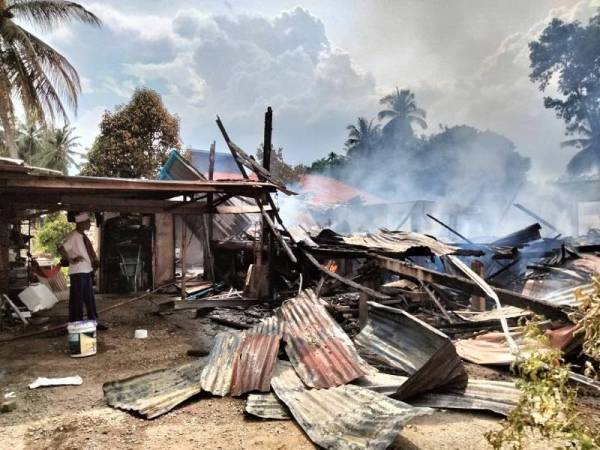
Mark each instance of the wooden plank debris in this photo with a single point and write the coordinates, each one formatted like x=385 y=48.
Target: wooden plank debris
x=467 y=286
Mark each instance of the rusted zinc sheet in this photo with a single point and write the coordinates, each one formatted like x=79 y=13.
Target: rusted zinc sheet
x=217 y=375
x=492 y=348
x=508 y=312
x=267 y=406
x=255 y=358
x=384 y=383
x=343 y=417
x=500 y=397
x=497 y=396
x=403 y=242
x=320 y=351
x=567 y=297
x=403 y=342
x=155 y=393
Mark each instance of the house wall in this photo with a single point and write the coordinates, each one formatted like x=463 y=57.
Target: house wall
x=164 y=248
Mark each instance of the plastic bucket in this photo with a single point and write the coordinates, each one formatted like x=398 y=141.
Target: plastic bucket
x=82 y=338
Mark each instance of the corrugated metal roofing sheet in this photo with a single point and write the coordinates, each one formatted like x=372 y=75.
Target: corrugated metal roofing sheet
x=256 y=356
x=498 y=396
x=155 y=393
x=321 y=352
x=485 y=395
x=397 y=242
x=566 y=297
x=217 y=375
x=321 y=190
x=508 y=312
x=343 y=417
x=267 y=406
x=400 y=242
x=401 y=341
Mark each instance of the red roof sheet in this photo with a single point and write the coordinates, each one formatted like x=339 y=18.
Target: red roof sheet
x=320 y=351
x=324 y=190
x=255 y=358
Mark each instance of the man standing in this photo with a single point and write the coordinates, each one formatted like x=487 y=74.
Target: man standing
x=78 y=251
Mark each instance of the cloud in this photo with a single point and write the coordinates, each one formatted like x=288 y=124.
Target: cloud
x=87 y=125
x=236 y=66
x=466 y=61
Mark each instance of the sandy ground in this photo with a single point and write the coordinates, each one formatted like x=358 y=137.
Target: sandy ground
x=76 y=417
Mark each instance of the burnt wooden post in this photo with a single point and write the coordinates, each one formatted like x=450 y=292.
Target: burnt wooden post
x=4 y=246
x=267 y=237
x=363 y=310
x=209 y=265
x=183 y=245
x=477 y=302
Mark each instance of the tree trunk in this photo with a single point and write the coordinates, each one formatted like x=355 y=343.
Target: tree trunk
x=6 y=119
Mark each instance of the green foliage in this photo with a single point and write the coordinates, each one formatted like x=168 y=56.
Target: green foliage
x=466 y=153
x=333 y=163
x=57 y=150
x=52 y=148
x=364 y=138
x=402 y=112
x=281 y=170
x=570 y=53
x=52 y=233
x=589 y=305
x=29 y=140
x=32 y=72
x=547 y=403
x=135 y=139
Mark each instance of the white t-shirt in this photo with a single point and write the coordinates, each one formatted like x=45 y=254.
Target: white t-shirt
x=74 y=245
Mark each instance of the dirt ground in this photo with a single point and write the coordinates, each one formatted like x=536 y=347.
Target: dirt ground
x=76 y=417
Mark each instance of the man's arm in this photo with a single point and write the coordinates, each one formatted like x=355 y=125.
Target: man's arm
x=65 y=256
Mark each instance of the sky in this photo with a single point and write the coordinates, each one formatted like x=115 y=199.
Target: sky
x=320 y=65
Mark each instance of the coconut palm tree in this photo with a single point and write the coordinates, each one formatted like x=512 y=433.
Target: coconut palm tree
x=58 y=151
x=31 y=71
x=587 y=159
x=29 y=140
x=402 y=113
x=363 y=138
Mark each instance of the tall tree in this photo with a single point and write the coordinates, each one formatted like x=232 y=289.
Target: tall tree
x=58 y=150
x=31 y=71
x=402 y=113
x=569 y=52
x=29 y=140
x=135 y=139
x=363 y=138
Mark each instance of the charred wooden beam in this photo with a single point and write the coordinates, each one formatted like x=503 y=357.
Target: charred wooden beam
x=97 y=204
x=206 y=304
x=467 y=286
x=278 y=235
x=344 y=280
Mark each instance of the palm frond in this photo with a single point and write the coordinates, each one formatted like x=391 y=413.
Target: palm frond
x=47 y=14
x=61 y=73
x=386 y=113
x=420 y=112
x=29 y=79
x=579 y=142
x=418 y=120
